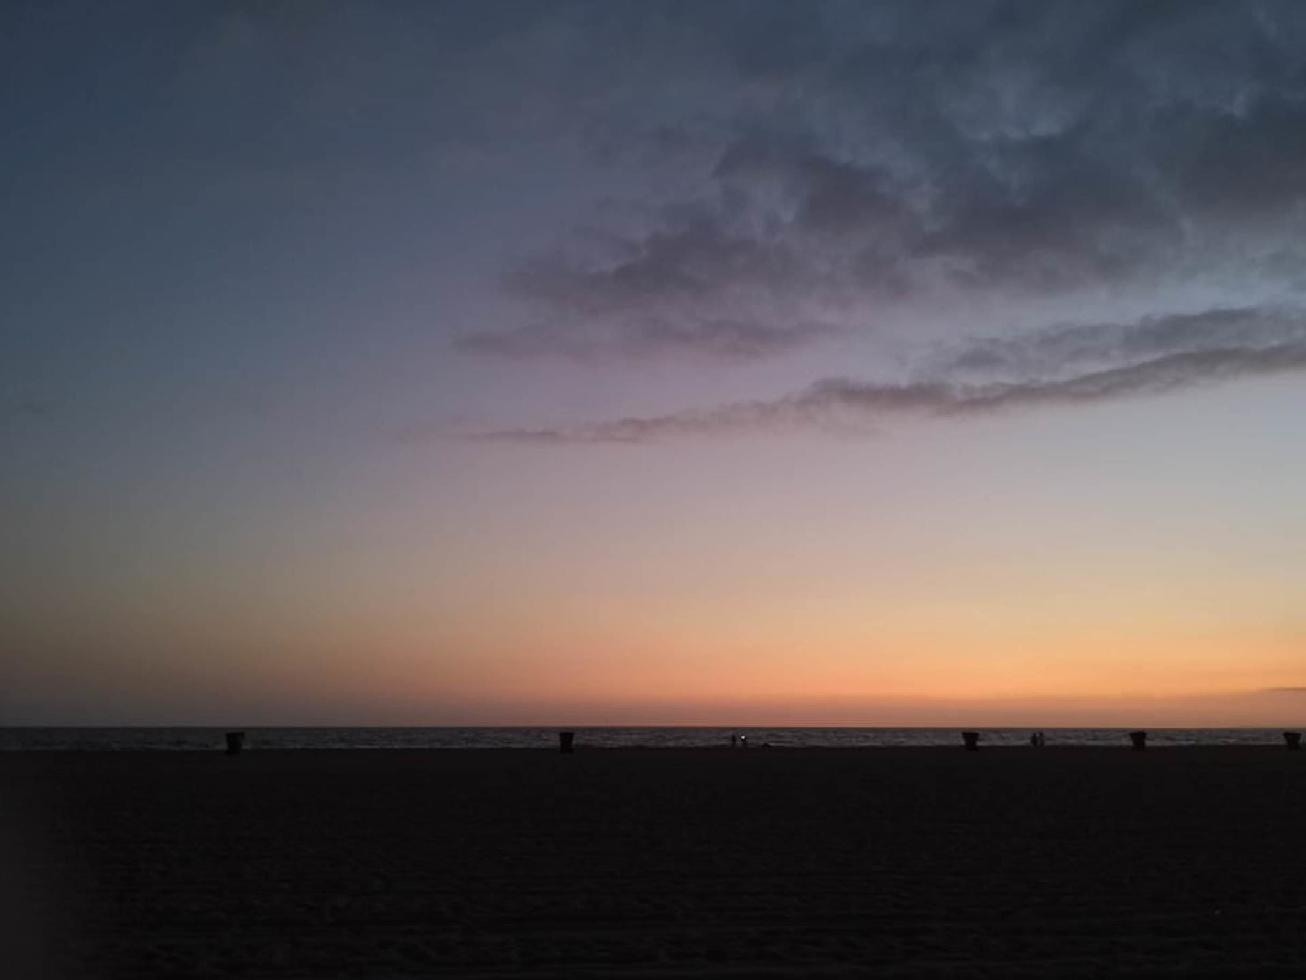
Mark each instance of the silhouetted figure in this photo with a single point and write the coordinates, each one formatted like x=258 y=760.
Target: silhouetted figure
x=1293 y=741
x=734 y=740
x=743 y=741
x=234 y=742
x=971 y=740
x=566 y=742
x=1138 y=740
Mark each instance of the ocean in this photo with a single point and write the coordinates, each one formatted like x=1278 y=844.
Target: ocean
x=166 y=739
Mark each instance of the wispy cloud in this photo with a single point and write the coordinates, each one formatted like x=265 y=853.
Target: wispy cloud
x=1058 y=349
x=850 y=405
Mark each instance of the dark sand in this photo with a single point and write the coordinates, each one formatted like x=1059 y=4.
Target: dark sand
x=627 y=863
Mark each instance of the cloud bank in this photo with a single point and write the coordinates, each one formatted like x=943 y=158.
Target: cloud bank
x=843 y=166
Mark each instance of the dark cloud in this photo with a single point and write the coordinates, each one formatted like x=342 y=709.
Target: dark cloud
x=871 y=158
x=700 y=287
x=725 y=339
x=1171 y=354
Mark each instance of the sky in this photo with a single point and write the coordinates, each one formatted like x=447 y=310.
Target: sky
x=648 y=362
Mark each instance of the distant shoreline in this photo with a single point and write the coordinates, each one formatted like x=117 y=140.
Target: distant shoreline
x=546 y=738
x=582 y=749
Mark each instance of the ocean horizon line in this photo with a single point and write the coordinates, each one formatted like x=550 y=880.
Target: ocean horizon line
x=209 y=737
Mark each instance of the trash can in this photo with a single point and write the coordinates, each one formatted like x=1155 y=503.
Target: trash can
x=235 y=740
x=566 y=742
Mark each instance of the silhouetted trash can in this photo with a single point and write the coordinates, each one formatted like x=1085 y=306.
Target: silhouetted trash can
x=235 y=740
x=1138 y=740
x=971 y=739
x=566 y=742
x=1293 y=741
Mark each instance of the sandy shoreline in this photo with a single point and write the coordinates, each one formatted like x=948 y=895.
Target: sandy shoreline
x=628 y=862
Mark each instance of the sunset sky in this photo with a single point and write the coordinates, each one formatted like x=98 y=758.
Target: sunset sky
x=630 y=363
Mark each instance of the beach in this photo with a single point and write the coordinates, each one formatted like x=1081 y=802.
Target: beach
x=650 y=863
